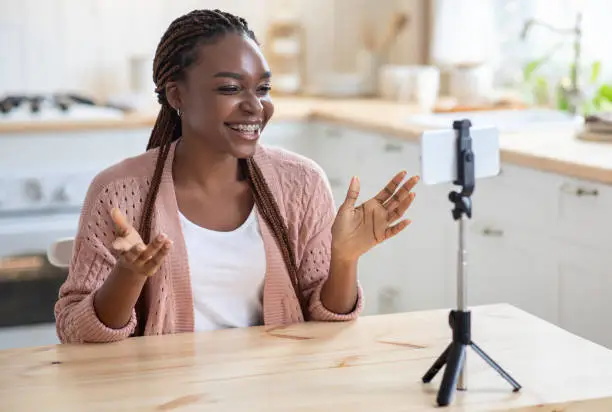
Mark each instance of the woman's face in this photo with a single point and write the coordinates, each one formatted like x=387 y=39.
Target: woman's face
x=224 y=98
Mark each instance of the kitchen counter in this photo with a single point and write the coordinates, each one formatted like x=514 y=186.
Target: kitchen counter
x=553 y=152
x=374 y=363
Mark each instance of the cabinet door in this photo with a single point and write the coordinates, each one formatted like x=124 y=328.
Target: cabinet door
x=414 y=265
x=585 y=287
x=409 y=271
x=342 y=153
x=507 y=264
x=288 y=135
x=377 y=277
x=585 y=214
x=524 y=197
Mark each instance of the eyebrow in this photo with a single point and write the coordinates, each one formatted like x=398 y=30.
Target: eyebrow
x=237 y=76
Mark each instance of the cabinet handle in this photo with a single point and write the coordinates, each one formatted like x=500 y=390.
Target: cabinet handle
x=492 y=232
x=393 y=148
x=580 y=191
x=586 y=192
x=333 y=133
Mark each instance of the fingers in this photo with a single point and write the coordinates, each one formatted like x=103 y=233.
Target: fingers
x=145 y=260
x=150 y=251
x=397 y=228
x=398 y=208
x=133 y=254
x=123 y=245
x=410 y=183
x=156 y=260
x=404 y=192
x=386 y=193
x=121 y=223
x=352 y=193
x=397 y=204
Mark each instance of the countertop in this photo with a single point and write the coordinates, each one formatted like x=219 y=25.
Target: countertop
x=372 y=364
x=552 y=152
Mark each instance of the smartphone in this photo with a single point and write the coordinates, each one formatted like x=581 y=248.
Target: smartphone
x=438 y=155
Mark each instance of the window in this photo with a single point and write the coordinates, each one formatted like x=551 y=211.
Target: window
x=515 y=53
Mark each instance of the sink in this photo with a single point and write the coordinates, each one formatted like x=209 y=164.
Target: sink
x=506 y=121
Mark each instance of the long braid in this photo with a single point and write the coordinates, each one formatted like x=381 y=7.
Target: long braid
x=271 y=214
x=176 y=51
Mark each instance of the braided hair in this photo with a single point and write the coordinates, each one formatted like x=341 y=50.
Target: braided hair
x=177 y=50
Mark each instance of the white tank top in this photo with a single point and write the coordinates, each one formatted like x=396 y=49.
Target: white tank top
x=227 y=272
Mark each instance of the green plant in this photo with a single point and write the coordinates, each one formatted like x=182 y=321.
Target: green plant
x=602 y=101
x=572 y=94
x=539 y=87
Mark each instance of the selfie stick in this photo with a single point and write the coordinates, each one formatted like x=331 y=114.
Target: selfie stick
x=455 y=353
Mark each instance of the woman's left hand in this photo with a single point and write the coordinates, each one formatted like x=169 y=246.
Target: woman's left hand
x=358 y=229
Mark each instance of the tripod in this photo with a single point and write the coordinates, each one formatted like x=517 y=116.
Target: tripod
x=460 y=319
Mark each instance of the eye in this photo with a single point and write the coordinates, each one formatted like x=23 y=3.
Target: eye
x=229 y=89
x=264 y=89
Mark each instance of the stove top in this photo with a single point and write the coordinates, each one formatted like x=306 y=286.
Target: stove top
x=65 y=106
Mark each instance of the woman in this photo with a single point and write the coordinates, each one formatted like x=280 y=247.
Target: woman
x=207 y=229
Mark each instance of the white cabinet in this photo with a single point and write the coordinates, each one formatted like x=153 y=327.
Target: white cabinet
x=520 y=196
x=585 y=287
x=537 y=240
x=343 y=153
x=584 y=214
x=289 y=135
x=511 y=252
x=410 y=271
x=420 y=258
x=509 y=264
x=540 y=242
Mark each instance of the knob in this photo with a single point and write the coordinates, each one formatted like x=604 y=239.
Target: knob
x=33 y=190
x=586 y=192
x=492 y=232
x=61 y=195
x=393 y=148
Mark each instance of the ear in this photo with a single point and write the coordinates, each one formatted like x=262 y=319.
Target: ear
x=173 y=94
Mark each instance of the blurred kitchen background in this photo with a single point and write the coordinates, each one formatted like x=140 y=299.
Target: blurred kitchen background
x=76 y=95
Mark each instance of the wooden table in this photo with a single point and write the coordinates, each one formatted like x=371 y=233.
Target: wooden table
x=373 y=364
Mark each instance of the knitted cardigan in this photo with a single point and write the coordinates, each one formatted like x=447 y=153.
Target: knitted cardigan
x=305 y=201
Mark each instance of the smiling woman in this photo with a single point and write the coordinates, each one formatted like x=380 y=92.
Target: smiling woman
x=209 y=229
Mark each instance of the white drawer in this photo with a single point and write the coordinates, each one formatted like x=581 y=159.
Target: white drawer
x=522 y=196
x=584 y=213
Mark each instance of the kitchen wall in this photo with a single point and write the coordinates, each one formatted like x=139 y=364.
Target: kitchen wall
x=85 y=45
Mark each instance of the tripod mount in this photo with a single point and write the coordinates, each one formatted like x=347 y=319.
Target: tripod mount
x=460 y=319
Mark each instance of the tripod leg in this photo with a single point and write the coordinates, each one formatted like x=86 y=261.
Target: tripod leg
x=456 y=357
x=438 y=364
x=495 y=366
x=462 y=382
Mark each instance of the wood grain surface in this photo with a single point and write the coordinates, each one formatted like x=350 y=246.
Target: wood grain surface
x=372 y=364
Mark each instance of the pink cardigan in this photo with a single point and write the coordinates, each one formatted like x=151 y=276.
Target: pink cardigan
x=305 y=202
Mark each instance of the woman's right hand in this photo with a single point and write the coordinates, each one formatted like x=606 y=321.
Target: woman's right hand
x=134 y=255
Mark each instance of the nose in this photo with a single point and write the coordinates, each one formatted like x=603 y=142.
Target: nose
x=251 y=103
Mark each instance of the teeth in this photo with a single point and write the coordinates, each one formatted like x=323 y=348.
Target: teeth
x=246 y=127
